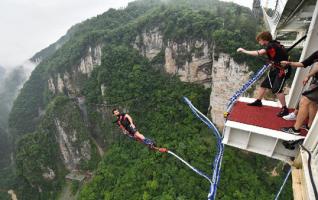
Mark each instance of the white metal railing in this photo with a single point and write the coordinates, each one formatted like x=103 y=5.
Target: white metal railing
x=273 y=10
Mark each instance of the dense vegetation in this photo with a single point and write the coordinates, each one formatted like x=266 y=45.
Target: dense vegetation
x=4 y=149
x=39 y=151
x=132 y=83
x=130 y=171
x=10 y=83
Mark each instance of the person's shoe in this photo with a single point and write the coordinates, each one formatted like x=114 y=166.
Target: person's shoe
x=283 y=112
x=151 y=144
x=257 y=102
x=290 y=116
x=290 y=130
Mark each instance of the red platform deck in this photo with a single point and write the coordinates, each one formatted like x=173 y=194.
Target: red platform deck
x=264 y=117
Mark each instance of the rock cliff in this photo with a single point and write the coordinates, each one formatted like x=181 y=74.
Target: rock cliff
x=197 y=62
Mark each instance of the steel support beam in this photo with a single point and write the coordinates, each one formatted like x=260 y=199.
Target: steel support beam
x=311 y=45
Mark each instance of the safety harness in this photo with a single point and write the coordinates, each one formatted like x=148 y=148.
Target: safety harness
x=119 y=121
x=274 y=60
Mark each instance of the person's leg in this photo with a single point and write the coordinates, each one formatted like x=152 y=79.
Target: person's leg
x=278 y=90
x=139 y=136
x=266 y=84
x=303 y=112
x=281 y=98
x=312 y=112
x=301 y=117
x=284 y=111
x=260 y=93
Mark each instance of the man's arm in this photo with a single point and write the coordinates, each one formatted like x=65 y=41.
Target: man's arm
x=293 y=64
x=252 y=53
x=130 y=120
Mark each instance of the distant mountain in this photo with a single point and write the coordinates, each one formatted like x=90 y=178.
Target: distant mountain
x=5 y=149
x=11 y=81
x=2 y=73
x=51 y=49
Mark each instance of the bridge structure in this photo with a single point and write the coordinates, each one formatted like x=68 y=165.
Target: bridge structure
x=258 y=129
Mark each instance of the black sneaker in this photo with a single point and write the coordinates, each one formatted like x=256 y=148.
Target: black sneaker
x=290 y=130
x=151 y=144
x=283 y=112
x=257 y=102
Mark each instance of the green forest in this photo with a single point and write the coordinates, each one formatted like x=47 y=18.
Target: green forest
x=136 y=85
x=130 y=171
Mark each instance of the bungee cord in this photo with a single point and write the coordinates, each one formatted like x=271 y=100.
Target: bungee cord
x=216 y=167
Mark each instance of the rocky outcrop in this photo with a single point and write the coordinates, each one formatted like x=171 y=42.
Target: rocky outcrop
x=190 y=61
x=196 y=62
x=92 y=59
x=149 y=43
x=227 y=77
x=68 y=82
x=73 y=150
x=220 y=72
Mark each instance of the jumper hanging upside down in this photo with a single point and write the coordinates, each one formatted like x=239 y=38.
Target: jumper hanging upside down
x=125 y=122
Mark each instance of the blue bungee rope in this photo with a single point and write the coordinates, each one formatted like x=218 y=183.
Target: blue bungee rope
x=216 y=167
x=246 y=86
x=190 y=166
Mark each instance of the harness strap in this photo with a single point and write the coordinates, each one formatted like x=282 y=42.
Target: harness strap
x=121 y=118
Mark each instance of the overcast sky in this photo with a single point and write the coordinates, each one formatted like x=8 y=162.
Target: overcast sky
x=246 y=3
x=27 y=26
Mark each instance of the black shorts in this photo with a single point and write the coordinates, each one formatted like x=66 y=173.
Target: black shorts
x=274 y=82
x=131 y=130
x=312 y=93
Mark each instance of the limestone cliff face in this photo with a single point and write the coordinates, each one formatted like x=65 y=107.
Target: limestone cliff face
x=197 y=62
x=149 y=43
x=227 y=77
x=73 y=148
x=69 y=82
x=190 y=61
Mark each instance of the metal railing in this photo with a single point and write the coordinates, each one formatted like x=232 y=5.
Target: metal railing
x=273 y=10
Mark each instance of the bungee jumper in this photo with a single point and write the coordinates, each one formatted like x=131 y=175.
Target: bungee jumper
x=126 y=124
x=277 y=75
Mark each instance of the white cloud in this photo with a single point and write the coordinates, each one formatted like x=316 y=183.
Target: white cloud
x=27 y=26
